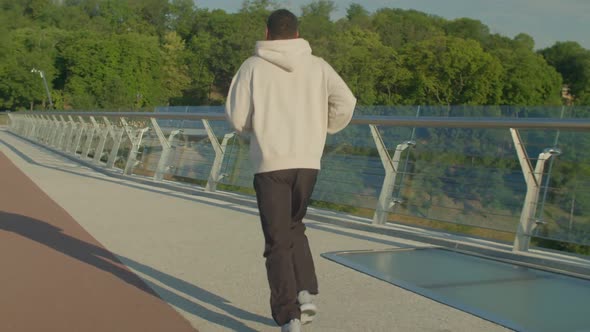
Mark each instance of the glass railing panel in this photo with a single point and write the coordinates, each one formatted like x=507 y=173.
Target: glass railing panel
x=149 y=155
x=237 y=168
x=144 y=156
x=352 y=172
x=123 y=152
x=564 y=207
x=460 y=176
x=464 y=176
x=193 y=155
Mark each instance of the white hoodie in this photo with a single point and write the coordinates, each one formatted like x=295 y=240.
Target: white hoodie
x=289 y=99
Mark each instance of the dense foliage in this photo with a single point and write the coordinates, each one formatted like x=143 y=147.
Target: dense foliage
x=132 y=54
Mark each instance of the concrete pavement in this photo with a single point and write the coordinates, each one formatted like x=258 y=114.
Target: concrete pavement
x=203 y=254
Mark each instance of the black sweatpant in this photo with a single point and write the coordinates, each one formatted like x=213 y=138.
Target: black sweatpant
x=282 y=198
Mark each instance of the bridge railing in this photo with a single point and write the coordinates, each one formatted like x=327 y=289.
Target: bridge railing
x=525 y=177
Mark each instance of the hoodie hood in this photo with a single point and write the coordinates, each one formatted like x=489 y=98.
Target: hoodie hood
x=287 y=53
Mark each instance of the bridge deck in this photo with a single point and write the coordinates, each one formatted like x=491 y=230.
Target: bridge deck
x=201 y=254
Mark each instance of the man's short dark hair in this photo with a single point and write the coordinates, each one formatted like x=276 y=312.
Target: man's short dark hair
x=282 y=24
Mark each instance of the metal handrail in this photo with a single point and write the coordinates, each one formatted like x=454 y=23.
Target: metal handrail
x=399 y=121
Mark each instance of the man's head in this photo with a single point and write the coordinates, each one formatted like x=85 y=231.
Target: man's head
x=282 y=24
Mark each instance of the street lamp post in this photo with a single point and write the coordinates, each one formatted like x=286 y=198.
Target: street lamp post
x=42 y=74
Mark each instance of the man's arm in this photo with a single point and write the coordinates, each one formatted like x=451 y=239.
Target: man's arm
x=238 y=107
x=341 y=102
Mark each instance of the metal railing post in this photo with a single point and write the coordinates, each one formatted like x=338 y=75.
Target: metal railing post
x=70 y=136
x=533 y=178
x=118 y=138
x=18 y=124
x=30 y=125
x=12 y=123
x=50 y=130
x=386 y=199
x=135 y=139
x=42 y=128
x=55 y=132
x=79 y=134
x=104 y=133
x=90 y=138
x=25 y=126
x=64 y=127
x=167 y=146
x=22 y=126
x=46 y=129
x=215 y=175
x=59 y=132
x=38 y=127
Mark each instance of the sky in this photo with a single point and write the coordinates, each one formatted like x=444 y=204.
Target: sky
x=547 y=21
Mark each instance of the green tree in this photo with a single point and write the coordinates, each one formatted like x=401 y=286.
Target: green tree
x=217 y=53
x=258 y=6
x=200 y=47
x=154 y=13
x=175 y=76
x=525 y=41
x=392 y=56
x=25 y=49
x=315 y=23
x=182 y=16
x=398 y=27
x=357 y=15
x=372 y=70
x=36 y=9
x=467 y=28
x=452 y=71
x=111 y=71
x=355 y=56
x=572 y=61
x=527 y=78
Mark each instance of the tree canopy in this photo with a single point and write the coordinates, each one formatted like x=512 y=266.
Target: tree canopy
x=132 y=54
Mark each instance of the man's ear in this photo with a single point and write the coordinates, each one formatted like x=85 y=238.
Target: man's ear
x=267 y=34
x=297 y=35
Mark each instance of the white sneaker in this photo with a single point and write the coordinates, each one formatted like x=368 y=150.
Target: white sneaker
x=308 y=309
x=293 y=326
